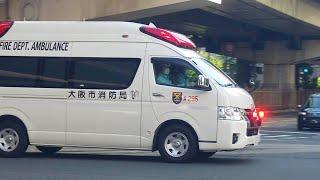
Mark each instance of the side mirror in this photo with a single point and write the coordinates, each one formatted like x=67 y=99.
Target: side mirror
x=203 y=82
x=252 y=82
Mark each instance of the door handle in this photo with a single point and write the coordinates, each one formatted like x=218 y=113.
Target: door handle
x=157 y=95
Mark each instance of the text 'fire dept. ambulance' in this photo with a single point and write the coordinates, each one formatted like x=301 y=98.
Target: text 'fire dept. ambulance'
x=116 y=85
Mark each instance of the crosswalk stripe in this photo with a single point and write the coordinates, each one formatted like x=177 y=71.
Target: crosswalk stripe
x=291 y=138
x=271 y=139
x=290 y=132
x=277 y=136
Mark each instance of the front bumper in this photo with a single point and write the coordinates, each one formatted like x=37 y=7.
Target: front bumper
x=310 y=122
x=226 y=141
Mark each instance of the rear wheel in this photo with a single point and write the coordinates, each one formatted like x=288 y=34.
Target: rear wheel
x=13 y=139
x=178 y=144
x=48 y=150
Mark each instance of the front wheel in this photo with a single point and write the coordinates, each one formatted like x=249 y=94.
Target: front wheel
x=300 y=126
x=178 y=144
x=48 y=150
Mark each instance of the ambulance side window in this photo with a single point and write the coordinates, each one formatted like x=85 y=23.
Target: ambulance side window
x=103 y=73
x=18 y=72
x=54 y=71
x=175 y=72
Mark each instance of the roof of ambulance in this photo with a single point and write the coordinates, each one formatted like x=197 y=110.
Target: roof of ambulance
x=73 y=30
x=83 y=31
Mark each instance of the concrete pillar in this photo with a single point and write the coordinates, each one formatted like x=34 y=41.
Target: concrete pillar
x=14 y=10
x=278 y=90
x=279 y=76
x=3 y=11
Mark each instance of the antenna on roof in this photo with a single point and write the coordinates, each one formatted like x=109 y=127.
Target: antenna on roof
x=152 y=25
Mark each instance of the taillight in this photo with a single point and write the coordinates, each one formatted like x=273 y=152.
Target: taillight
x=169 y=36
x=253 y=117
x=261 y=114
x=4 y=27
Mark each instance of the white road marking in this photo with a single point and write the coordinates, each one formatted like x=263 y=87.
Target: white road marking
x=277 y=136
x=268 y=122
x=264 y=134
x=292 y=138
x=291 y=132
x=271 y=140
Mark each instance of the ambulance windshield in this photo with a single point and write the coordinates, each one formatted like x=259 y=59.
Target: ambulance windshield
x=215 y=73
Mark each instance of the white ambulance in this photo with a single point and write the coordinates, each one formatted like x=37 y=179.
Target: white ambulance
x=116 y=85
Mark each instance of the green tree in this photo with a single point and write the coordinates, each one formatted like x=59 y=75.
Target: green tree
x=213 y=58
x=225 y=63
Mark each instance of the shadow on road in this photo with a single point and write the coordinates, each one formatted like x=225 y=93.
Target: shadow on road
x=94 y=157
x=153 y=159
x=315 y=130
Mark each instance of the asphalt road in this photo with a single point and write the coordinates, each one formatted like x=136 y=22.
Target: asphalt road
x=284 y=153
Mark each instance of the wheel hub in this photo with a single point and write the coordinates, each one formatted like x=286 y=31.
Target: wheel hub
x=9 y=140
x=176 y=144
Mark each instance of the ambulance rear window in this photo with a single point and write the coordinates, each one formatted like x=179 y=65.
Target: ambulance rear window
x=18 y=72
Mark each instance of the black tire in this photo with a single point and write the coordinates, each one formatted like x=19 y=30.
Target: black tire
x=300 y=126
x=48 y=150
x=205 y=155
x=23 y=141
x=191 y=151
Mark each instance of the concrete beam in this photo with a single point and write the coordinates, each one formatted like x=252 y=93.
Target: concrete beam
x=98 y=9
x=137 y=9
x=304 y=10
x=277 y=52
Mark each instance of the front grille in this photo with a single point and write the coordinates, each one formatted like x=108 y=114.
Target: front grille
x=310 y=117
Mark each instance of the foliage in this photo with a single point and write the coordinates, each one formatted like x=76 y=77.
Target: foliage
x=213 y=58
x=225 y=63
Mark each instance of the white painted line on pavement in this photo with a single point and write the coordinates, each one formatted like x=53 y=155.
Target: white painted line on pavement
x=291 y=132
x=271 y=139
x=291 y=138
x=264 y=134
x=268 y=122
x=277 y=136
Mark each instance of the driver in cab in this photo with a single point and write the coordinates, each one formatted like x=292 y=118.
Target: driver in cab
x=174 y=76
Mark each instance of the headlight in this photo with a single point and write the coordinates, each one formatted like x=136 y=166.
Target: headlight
x=230 y=113
x=302 y=113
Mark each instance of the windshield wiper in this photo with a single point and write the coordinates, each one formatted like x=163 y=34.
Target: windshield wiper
x=229 y=85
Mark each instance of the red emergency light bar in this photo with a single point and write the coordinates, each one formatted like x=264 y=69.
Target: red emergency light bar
x=4 y=27
x=169 y=36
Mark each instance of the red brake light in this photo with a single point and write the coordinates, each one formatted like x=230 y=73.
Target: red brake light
x=169 y=36
x=4 y=27
x=261 y=114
